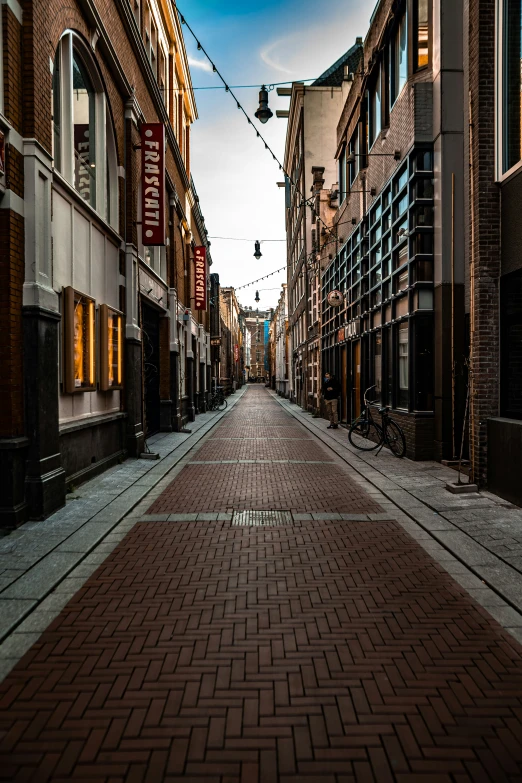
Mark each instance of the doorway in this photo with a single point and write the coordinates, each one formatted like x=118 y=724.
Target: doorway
x=356 y=375
x=151 y=380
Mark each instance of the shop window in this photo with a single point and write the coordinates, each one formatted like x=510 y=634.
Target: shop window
x=79 y=342
x=421 y=33
x=423 y=364
x=510 y=78
x=111 y=348
x=511 y=345
x=388 y=358
x=402 y=400
x=399 y=60
x=84 y=149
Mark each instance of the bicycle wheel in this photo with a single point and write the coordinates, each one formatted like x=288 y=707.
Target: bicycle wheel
x=394 y=437
x=221 y=405
x=365 y=435
x=212 y=404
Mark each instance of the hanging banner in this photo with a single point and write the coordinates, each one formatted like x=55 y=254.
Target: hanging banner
x=200 y=291
x=153 y=183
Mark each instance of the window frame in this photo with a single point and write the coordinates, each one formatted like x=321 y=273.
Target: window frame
x=394 y=49
x=69 y=46
x=501 y=175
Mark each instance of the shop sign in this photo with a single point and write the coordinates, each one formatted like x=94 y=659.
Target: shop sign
x=153 y=183
x=200 y=264
x=335 y=298
x=236 y=353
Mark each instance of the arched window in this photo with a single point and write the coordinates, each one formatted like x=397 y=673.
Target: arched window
x=83 y=140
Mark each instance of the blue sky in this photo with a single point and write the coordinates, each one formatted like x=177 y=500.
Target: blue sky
x=254 y=42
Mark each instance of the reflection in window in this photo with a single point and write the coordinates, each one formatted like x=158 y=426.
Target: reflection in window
x=422 y=34
x=84 y=112
x=403 y=366
x=399 y=61
x=511 y=83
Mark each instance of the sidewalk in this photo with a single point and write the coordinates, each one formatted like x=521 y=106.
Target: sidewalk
x=268 y=615
x=480 y=530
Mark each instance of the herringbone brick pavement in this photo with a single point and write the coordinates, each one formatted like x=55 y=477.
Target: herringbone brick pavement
x=313 y=651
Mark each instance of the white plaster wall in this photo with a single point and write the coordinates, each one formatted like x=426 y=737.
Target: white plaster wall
x=85 y=258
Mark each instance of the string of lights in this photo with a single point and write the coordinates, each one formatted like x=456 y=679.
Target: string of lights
x=249 y=86
x=240 y=239
x=229 y=89
x=246 y=285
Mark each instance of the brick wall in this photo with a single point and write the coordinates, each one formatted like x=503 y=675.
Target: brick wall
x=485 y=214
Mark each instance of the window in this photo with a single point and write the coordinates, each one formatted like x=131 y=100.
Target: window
x=511 y=345
x=111 y=348
x=354 y=149
x=375 y=109
x=511 y=83
x=402 y=401
x=84 y=149
x=423 y=364
x=421 y=34
x=84 y=132
x=79 y=342
x=342 y=175
x=399 y=60
x=136 y=11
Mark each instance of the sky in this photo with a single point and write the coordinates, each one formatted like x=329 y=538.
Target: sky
x=254 y=42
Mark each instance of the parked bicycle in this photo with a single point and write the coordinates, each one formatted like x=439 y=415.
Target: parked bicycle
x=217 y=401
x=366 y=434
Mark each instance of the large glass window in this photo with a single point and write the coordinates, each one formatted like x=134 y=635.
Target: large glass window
x=511 y=83
x=84 y=149
x=402 y=401
x=84 y=132
x=377 y=365
x=424 y=364
x=399 y=60
x=511 y=345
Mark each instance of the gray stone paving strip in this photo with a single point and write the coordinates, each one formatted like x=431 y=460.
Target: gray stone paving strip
x=261 y=462
x=41 y=557
x=488 y=579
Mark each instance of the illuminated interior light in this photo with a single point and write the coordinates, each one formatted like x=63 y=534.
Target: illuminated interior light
x=91 y=343
x=119 y=350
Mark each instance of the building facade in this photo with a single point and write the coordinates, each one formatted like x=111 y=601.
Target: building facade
x=101 y=341
x=310 y=141
x=256 y=325
x=492 y=111
x=280 y=348
x=396 y=322
x=231 y=360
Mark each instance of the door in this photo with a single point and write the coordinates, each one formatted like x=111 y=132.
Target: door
x=344 y=385
x=356 y=375
x=150 y=331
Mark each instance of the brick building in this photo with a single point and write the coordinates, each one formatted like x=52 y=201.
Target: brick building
x=397 y=320
x=492 y=110
x=310 y=142
x=257 y=324
x=99 y=341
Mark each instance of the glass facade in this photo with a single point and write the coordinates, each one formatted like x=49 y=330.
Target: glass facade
x=385 y=271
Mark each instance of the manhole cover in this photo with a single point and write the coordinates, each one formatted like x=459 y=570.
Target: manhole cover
x=261 y=518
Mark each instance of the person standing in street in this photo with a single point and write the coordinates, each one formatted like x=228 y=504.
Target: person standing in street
x=330 y=391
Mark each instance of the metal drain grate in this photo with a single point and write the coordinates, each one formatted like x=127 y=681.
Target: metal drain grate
x=261 y=518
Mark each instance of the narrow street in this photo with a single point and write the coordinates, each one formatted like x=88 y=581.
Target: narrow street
x=266 y=620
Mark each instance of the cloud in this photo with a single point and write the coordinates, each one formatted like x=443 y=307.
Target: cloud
x=266 y=55
x=203 y=65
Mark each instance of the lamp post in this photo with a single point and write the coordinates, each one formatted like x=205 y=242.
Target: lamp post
x=263 y=113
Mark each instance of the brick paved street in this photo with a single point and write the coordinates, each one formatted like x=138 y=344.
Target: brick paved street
x=305 y=649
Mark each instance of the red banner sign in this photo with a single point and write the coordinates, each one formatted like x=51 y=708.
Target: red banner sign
x=236 y=353
x=200 y=291
x=153 y=183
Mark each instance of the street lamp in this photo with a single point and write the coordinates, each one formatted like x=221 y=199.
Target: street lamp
x=263 y=114
x=257 y=250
